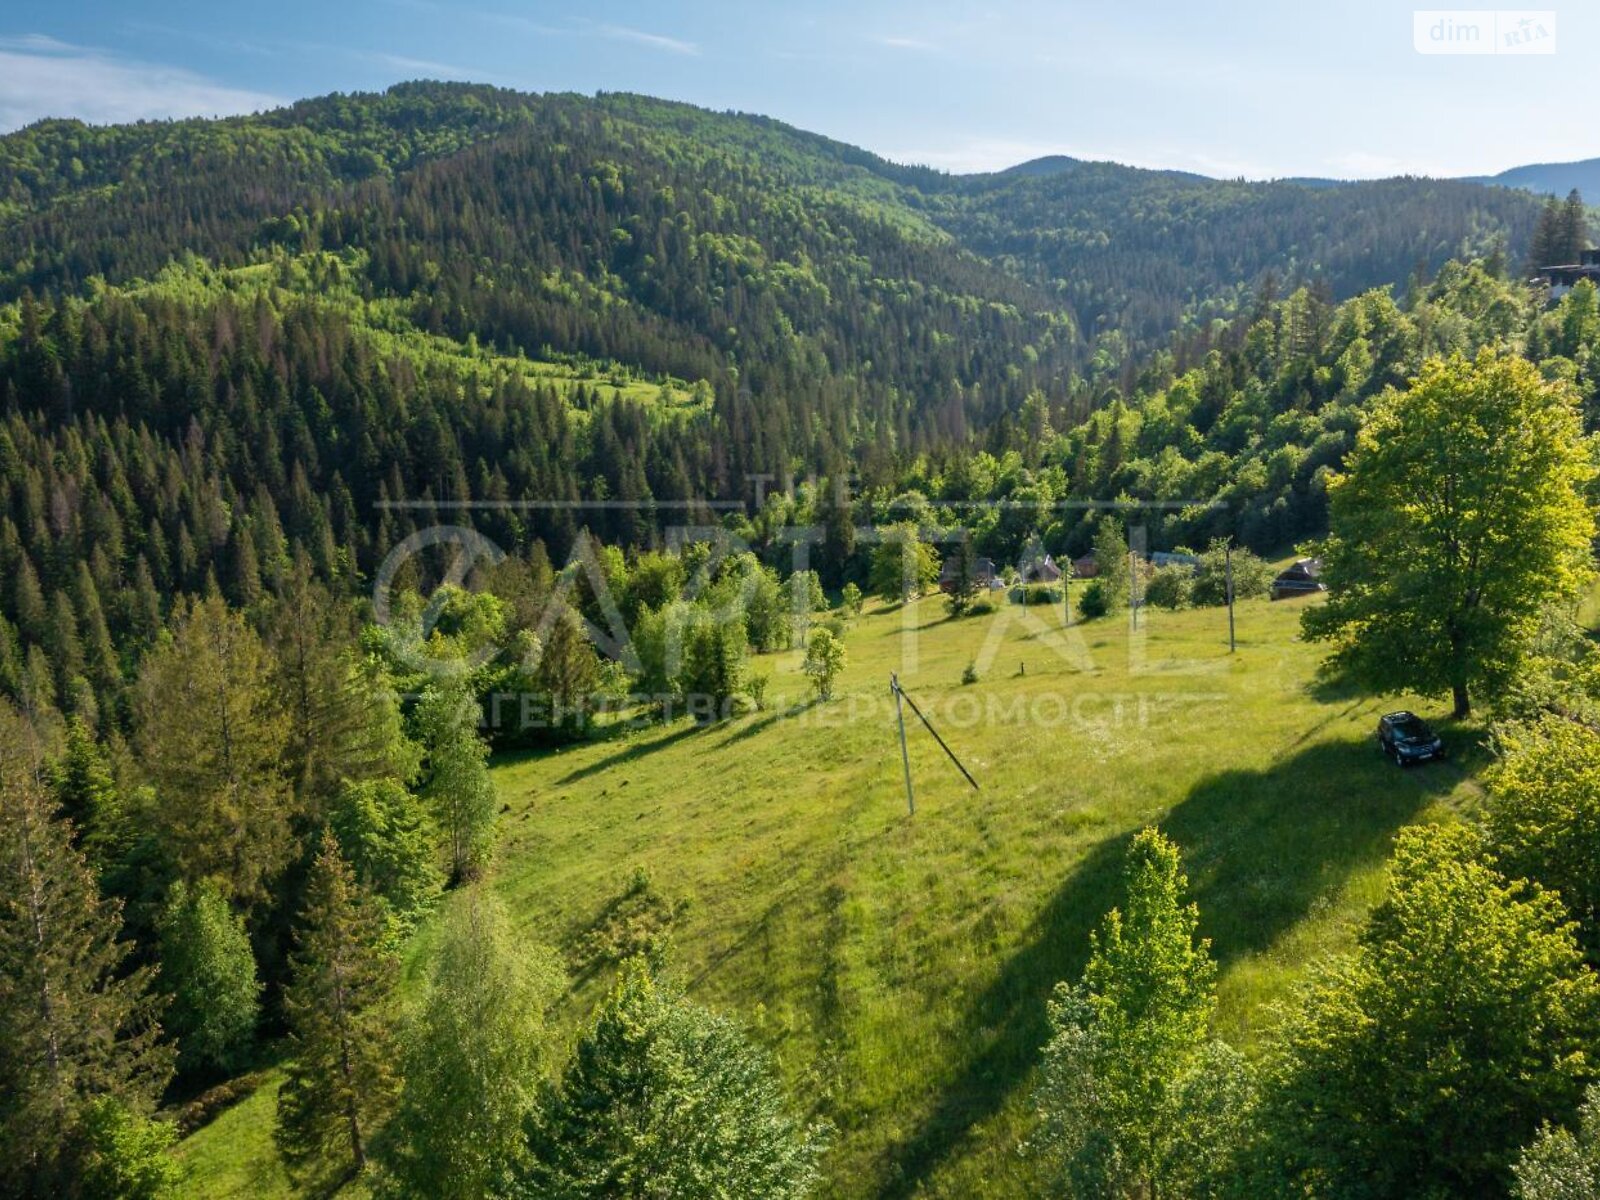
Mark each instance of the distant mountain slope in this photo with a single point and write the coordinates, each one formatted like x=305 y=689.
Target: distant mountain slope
x=697 y=243
x=1556 y=179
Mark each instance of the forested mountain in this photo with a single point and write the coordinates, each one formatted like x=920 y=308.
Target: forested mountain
x=226 y=342
x=1551 y=179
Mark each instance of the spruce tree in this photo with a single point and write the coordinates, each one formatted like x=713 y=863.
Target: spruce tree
x=74 y=1023
x=343 y=717
x=1572 y=237
x=340 y=1078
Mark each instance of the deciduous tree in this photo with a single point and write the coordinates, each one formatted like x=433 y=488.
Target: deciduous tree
x=1460 y=516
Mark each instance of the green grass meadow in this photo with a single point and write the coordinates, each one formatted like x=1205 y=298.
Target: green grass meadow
x=896 y=965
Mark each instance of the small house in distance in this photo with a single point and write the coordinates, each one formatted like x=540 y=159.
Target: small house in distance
x=1561 y=278
x=1300 y=578
x=983 y=576
x=1085 y=567
x=1039 y=570
x=1169 y=558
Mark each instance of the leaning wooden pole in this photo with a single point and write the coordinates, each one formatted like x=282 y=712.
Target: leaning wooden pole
x=929 y=724
x=905 y=755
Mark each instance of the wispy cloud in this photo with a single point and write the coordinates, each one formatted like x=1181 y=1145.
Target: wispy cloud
x=622 y=33
x=42 y=77
x=901 y=42
x=429 y=67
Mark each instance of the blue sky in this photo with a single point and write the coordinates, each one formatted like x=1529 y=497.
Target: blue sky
x=1249 y=88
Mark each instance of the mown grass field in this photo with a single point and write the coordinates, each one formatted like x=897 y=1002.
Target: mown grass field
x=897 y=966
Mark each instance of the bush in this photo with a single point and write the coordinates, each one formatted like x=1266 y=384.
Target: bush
x=756 y=688
x=970 y=675
x=1094 y=601
x=1170 y=587
x=1035 y=593
x=825 y=658
x=1252 y=576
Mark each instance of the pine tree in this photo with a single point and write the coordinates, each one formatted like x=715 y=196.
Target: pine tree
x=74 y=1024
x=340 y=1079
x=473 y=1061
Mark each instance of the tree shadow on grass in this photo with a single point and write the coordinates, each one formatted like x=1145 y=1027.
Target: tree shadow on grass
x=636 y=749
x=1261 y=848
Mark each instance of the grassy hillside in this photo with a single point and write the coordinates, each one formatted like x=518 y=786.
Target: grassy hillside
x=897 y=966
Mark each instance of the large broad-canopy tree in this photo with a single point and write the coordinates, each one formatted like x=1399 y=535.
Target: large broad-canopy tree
x=1460 y=519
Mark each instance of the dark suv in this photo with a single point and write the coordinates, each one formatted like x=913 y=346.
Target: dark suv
x=1407 y=738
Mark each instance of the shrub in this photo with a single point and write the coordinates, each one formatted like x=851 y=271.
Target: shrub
x=1170 y=587
x=970 y=675
x=1035 y=593
x=1252 y=576
x=1093 y=601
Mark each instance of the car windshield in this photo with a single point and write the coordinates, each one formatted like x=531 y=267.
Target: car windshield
x=1412 y=730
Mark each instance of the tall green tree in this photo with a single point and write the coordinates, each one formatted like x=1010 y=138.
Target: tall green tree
x=212 y=737
x=1417 y=1067
x=1461 y=516
x=663 y=1098
x=86 y=792
x=963 y=583
x=340 y=1082
x=387 y=837
x=343 y=717
x=209 y=974
x=903 y=565
x=474 y=1060
x=1113 y=572
x=75 y=1023
x=1119 y=1098
x=457 y=784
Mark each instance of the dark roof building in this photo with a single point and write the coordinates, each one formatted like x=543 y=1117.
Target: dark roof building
x=982 y=573
x=1039 y=570
x=1561 y=278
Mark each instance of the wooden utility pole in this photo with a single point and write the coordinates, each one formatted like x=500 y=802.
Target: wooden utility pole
x=905 y=756
x=1232 y=645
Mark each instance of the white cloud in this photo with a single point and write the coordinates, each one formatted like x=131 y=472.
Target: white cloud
x=622 y=33
x=429 y=68
x=906 y=43
x=42 y=77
